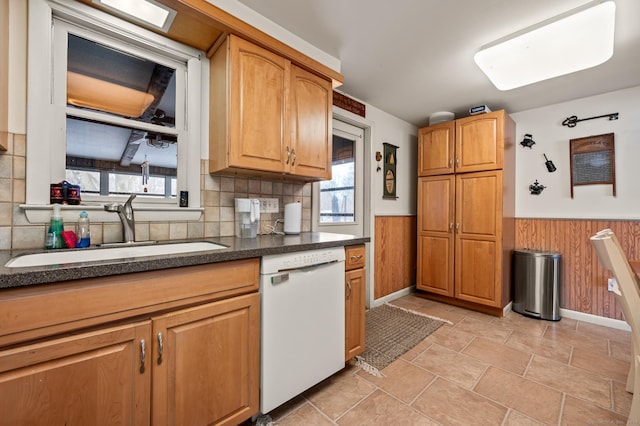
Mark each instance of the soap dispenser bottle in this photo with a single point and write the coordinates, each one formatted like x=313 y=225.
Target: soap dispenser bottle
x=54 y=233
x=83 y=231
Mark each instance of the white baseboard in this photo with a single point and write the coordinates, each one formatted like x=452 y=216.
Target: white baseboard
x=564 y=313
x=392 y=296
x=594 y=319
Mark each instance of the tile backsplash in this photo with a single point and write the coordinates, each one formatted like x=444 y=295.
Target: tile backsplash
x=218 y=195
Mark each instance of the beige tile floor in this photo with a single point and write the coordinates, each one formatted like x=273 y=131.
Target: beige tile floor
x=481 y=370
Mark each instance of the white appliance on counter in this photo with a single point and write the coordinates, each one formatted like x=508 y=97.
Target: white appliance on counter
x=302 y=324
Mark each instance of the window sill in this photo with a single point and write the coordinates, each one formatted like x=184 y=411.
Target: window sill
x=41 y=213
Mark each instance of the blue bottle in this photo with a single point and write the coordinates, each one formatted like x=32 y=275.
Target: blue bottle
x=83 y=232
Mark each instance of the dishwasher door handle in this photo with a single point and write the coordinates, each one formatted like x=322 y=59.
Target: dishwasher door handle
x=278 y=279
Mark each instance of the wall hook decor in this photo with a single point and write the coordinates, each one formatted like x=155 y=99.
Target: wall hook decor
x=550 y=166
x=573 y=120
x=536 y=188
x=527 y=142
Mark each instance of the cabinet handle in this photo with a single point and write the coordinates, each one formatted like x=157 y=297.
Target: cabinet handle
x=143 y=356
x=450 y=162
x=457 y=227
x=288 y=155
x=293 y=162
x=457 y=161
x=160 y=348
x=349 y=288
x=356 y=257
x=450 y=227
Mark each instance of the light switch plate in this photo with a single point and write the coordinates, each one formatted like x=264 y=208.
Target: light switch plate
x=268 y=205
x=611 y=283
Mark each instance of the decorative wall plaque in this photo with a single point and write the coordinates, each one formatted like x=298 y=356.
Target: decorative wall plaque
x=390 y=163
x=593 y=161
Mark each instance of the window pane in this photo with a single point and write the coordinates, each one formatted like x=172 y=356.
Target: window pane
x=89 y=181
x=128 y=184
x=337 y=196
x=105 y=79
x=116 y=83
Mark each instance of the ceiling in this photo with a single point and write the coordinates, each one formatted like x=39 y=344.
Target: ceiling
x=411 y=58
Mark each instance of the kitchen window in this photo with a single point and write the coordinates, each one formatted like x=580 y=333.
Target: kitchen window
x=113 y=108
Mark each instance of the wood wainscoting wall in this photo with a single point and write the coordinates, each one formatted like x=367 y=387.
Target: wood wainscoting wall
x=584 y=282
x=395 y=254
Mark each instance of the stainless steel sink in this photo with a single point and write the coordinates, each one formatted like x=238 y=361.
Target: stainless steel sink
x=109 y=253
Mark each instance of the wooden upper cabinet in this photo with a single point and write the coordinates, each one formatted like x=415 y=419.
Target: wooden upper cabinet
x=268 y=116
x=480 y=142
x=249 y=87
x=468 y=144
x=436 y=149
x=310 y=121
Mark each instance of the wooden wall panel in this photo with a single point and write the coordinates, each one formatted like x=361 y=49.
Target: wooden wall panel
x=584 y=282
x=395 y=254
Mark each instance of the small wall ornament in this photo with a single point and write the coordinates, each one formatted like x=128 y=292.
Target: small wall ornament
x=536 y=188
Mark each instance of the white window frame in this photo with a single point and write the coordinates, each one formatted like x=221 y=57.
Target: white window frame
x=46 y=109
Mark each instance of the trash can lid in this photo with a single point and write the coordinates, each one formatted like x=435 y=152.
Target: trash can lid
x=532 y=252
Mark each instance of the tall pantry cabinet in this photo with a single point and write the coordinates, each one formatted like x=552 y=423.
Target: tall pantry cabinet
x=466 y=208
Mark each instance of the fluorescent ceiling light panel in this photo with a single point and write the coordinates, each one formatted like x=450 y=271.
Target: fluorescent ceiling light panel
x=579 y=39
x=147 y=11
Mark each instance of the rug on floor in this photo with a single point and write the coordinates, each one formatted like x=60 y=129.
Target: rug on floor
x=390 y=332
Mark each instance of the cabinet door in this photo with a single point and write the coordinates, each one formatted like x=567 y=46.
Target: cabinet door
x=479 y=142
x=310 y=113
x=206 y=371
x=355 y=285
x=435 y=269
x=436 y=149
x=258 y=107
x=478 y=237
x=93 y=378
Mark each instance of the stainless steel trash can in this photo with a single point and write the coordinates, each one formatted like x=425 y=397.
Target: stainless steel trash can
x=536 y=279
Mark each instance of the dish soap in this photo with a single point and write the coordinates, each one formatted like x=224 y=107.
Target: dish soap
x=83 y=231
x=54 y=233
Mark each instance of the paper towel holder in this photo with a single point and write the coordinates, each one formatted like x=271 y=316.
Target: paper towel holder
x=292 y=218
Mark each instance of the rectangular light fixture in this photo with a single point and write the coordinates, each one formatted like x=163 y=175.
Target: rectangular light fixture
x=148 y=12
x=89 y=92
x=576 y=40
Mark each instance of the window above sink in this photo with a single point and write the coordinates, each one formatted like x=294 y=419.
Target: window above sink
x=117 y=109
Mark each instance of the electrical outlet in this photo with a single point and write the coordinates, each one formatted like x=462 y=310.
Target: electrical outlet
x=268 y=205
x=611 y=283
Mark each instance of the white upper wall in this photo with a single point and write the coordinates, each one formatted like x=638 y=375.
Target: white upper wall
x=552 y=138
x=250 y=16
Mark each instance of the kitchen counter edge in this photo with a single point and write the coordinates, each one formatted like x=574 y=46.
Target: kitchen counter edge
x=237 y=248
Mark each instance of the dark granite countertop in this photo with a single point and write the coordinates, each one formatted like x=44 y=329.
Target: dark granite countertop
x=237 y=248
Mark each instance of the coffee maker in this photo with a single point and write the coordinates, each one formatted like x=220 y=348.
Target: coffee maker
x=247 y=217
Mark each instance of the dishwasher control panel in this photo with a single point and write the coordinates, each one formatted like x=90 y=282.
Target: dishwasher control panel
x=302 y=259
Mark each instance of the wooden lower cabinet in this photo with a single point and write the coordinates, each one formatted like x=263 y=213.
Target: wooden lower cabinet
x=355 y=301
x=192 y=359
x=93 y=378
x=208 y=370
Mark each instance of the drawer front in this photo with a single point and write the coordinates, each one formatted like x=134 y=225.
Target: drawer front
x=355 y=257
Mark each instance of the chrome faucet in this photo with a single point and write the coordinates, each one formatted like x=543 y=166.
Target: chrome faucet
x=126 y=217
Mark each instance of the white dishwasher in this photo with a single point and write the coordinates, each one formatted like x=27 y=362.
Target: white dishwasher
x=302 y=322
